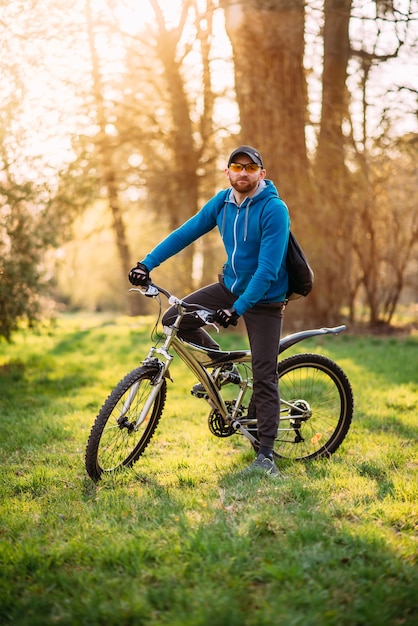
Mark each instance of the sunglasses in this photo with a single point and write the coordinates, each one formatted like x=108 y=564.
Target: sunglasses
x=251 y=168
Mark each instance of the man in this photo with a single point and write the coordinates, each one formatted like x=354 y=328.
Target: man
x=254 y=225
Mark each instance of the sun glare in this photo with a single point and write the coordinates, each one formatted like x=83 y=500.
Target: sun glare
x=134 y=14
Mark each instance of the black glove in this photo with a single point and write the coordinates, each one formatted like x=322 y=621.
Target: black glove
x=139 y=275
x=226 y=317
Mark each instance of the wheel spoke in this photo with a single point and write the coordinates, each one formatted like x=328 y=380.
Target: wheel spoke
x=314 y=381
x=126 y=423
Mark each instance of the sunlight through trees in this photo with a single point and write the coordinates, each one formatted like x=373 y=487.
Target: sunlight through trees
x=126 y=111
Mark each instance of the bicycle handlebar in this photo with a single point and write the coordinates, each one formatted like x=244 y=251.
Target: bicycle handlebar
x=152 y=290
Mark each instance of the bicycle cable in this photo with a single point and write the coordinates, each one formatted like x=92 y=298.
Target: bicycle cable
x=155 y=335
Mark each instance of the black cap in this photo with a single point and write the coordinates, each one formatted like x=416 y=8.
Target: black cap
x=254 y=155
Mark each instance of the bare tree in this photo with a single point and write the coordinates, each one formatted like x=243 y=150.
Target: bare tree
x=105 y=148
x=384 y=216
x=386 y=228
x=148 y=112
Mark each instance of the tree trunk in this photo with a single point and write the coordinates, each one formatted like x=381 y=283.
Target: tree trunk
x=268 y=48
x=332 y=220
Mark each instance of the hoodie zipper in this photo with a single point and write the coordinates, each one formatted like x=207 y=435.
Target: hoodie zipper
x=235 y=231
x=235 y=249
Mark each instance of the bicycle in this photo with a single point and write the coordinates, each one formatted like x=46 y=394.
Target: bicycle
x=316 y=397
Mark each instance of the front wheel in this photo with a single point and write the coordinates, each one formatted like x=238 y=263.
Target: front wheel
x=316 y=407
x=126 y=422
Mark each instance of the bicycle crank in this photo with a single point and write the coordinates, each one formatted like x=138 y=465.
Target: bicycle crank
x=218 y=426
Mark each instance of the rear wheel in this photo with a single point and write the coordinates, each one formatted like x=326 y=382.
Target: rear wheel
x=316 y=407
x=125 y=423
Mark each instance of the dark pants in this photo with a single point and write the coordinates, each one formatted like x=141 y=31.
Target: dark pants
x=264 y=326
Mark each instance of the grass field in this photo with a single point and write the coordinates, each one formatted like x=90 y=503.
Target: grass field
x=183 y=539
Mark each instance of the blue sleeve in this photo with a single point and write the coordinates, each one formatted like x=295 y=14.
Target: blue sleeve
x=195 y=227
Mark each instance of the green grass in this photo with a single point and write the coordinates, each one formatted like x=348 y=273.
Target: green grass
x=182 y=539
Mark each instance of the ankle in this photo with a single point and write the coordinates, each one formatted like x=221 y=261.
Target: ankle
x=268 y=452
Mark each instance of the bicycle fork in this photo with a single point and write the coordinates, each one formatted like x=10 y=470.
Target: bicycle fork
x=156 y=383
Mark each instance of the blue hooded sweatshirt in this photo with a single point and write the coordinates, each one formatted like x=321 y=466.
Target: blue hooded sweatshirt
x=255 y=235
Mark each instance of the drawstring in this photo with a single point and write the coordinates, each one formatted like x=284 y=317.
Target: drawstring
x=224 y=219
x=246 y=220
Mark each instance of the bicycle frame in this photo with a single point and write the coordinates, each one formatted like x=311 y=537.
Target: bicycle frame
x=316 y=403
x=198 y=359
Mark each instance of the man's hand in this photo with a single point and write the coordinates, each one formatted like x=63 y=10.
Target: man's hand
x=226 y=317
x=139 y=275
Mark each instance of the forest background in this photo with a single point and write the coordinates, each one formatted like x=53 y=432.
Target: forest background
x=117 y=118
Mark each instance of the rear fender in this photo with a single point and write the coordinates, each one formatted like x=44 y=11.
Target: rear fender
x=290 y=340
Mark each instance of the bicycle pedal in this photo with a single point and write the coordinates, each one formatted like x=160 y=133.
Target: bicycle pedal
x=233 y=378
x=230 y=375
x=198 y=391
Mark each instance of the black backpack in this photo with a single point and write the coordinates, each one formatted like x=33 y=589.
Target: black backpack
x=300 y=273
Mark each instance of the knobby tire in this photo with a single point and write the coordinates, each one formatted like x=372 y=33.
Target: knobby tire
x=116 y=441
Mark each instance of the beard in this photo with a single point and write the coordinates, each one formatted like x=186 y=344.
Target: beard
x=244 y=185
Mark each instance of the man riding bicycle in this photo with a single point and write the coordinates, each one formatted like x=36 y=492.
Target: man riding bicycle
x=254 y=224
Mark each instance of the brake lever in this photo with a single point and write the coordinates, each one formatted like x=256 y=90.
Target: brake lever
x=148 y=290
x=206 y=317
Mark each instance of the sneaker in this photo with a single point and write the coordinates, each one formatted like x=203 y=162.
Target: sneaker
x=262 y=464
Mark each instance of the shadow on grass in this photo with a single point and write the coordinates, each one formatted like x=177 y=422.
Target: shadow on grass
x=263 y=552
x=222 y=550
x=232 y=551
